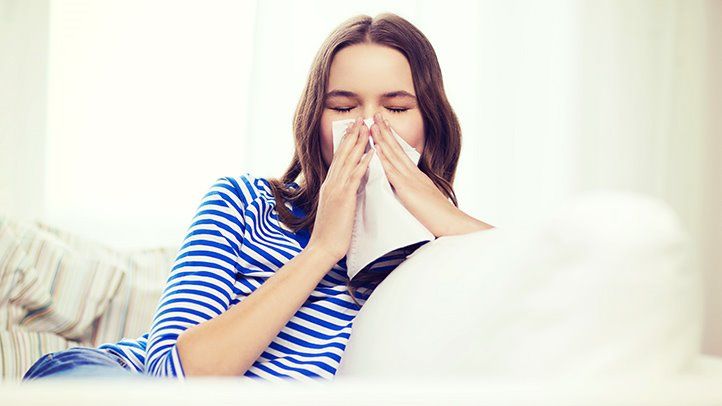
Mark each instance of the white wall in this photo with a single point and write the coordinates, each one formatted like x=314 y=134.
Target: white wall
x=649 y=102
x=146 y=108
x=711 y=210
x=23 y=88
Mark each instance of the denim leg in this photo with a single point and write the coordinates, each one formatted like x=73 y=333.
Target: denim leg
x=77 y=362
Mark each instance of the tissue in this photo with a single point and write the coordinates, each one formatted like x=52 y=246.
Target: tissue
x=381 y=224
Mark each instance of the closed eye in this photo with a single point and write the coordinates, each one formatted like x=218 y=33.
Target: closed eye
x=346 y=110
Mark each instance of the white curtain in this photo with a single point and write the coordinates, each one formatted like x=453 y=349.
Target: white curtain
x=137 y=106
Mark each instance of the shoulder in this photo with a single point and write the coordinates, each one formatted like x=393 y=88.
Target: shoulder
x=243 y=186
x=236 y=191
x=246 y=187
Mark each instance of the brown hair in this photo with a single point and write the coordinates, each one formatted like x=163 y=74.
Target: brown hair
x=442 y=142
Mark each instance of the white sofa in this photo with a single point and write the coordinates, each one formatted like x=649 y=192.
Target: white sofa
x=606 y=286
x=598 y=303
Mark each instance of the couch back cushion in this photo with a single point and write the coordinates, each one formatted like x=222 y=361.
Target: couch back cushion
x=50 y=285
x=604 y=287
x=58 y=290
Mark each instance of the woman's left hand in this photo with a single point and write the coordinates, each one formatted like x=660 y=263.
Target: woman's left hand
x=415 y=190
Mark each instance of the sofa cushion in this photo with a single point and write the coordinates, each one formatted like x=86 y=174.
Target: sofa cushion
x=51 y=285
x=604 y=287
x=130 y=310
x=19 y=349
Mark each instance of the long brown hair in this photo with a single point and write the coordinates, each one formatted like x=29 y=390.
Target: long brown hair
x=442 y=143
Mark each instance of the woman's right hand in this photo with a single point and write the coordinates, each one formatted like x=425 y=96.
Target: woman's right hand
x=337 y=196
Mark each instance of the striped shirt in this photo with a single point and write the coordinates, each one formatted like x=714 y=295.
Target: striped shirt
x=234 y=243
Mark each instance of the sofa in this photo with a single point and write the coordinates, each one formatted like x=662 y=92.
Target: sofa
x=599 y=302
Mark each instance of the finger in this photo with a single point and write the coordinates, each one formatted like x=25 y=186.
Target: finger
x=338 y=157
x=346 y=131
x=394 y=151
x=391 y=159
x=349 y=139
x=392 y=173
x=361 y=168
x=396 y=145
x=355 y=154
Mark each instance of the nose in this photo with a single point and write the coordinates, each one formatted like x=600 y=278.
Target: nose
x=368 y=114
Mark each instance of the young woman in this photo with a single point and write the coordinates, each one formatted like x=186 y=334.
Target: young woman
x=259 y=287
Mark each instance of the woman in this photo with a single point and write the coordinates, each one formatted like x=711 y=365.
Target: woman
x=259 y=286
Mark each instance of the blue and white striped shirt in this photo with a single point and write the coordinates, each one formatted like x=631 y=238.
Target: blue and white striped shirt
x=234 y=243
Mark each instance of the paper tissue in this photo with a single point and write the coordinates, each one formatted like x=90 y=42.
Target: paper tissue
x=382 y=223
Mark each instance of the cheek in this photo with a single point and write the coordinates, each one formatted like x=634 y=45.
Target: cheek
x=326 y=140
x=412 y=131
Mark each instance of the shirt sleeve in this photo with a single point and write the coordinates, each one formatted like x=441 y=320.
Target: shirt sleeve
x=200 y=284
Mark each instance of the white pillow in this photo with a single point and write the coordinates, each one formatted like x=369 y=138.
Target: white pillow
x=604 y=286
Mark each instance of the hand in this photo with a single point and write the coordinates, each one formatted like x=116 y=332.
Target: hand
x=337 y=197
x=415 y=190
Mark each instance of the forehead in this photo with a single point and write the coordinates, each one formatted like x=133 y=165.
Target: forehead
x=370 y=70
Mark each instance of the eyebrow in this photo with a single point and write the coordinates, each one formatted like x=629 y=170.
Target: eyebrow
x=388 y=95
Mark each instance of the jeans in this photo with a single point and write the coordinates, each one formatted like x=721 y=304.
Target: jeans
x=79 y=362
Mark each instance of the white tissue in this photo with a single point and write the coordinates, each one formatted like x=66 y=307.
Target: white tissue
x=382 y=223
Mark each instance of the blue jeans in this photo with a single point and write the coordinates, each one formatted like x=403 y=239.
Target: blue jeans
x=79 y=362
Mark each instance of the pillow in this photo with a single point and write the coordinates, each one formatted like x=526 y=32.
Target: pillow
x=130 y=310
x=50 y=285
x=604 y=286
x=20 y=349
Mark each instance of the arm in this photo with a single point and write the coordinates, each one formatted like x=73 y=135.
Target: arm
x=194 y=330
x=230 y=343
x=458 y=222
